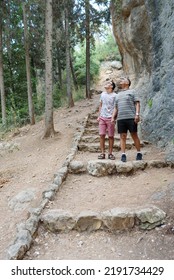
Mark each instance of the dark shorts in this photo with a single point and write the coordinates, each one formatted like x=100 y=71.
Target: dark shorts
x=124 y=125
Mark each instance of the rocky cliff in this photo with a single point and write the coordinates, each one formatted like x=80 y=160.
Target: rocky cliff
x=144 y=31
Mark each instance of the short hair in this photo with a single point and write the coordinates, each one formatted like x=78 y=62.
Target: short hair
x=126 y=78
x=113 y=85
x=129 y=81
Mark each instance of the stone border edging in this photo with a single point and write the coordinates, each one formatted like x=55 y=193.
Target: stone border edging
x=100 y=168
x=147 y=218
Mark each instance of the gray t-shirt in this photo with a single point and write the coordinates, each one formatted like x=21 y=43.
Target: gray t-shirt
x=125 y=104
x=108 y=101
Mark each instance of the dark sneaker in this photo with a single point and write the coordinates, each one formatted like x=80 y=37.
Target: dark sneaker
x=139 y=156
x=123 y=158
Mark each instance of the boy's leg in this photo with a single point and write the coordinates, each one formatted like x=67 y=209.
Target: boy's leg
x=102 y=143
x=136 y=140
x=111 y=132
x=123 y=137
x=133 y=131
x=134 y=135
x=122 y=130
x=111 y=144
x=102 y=133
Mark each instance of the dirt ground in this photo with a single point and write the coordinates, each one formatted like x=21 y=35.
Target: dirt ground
x=31 y=164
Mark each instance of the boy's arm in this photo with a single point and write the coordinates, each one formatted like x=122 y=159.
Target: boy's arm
x=137 y=106
x=137 y=114
x=100 y=105
x=114 y=114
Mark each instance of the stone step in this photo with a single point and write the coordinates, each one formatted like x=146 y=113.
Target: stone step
x=59 y=220
x=91 y=131
x=92 y=122
x=95 y=147
x=107 y=167
x=93 y=116
x=96 y=138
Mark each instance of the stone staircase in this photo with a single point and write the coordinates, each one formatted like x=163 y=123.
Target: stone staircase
x=87 y=193
x=90 y=139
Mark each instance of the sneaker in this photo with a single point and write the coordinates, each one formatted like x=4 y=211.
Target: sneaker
x=123 y=158
x=139 y=156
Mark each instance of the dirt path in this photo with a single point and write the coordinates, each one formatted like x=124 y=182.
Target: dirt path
x=83 y=192
x=28 y=168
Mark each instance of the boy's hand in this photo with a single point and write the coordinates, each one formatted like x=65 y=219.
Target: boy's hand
x=137 y=119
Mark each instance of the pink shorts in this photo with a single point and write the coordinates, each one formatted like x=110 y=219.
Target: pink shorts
x=105 y=125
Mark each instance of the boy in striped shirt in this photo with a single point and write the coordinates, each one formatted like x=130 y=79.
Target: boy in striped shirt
x=127 y=111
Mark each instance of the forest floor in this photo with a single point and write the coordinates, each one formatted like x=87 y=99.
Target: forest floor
x=27 y=167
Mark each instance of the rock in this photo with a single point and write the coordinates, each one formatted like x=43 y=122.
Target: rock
x=146 y=45
x=101 y=168
x=150 y=217
x=89 y=221
x=116 y=65
x=21 y=200
x=9 y=146
x=118 y=219
x=58 y=220
x=124 y=167
x=20 y=246
x=157 y=163
x=109 y=72
x=77 y=167
x=48 y=194
x=139 y=164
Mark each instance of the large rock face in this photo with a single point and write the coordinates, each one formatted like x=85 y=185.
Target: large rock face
x=144 y=31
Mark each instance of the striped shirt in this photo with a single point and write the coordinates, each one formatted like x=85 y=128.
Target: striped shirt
x=125 y=104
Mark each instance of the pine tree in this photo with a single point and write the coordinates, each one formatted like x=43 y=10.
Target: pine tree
x=2 y=90
x=49 y=124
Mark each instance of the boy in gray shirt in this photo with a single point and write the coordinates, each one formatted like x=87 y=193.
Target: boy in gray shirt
x=127 y=111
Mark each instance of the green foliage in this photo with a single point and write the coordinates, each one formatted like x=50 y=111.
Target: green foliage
x=59 y=96
x=16 y=117
x=58 y=100
x=39 y=104
x=107 y=49
x=79 y=94
x=150 y=103
x=14 y=64
x=80 y=65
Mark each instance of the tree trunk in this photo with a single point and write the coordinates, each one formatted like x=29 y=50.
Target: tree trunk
x=87 y=12
x=3 y=103
x=59 y=68
x=68 y=67
x=27 y=58
x=49 y=125
x=33 y=73
x=9 y=48
x=73 y=74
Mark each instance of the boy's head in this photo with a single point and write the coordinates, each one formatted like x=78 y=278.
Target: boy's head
x=124 y=83
x=110 y=85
